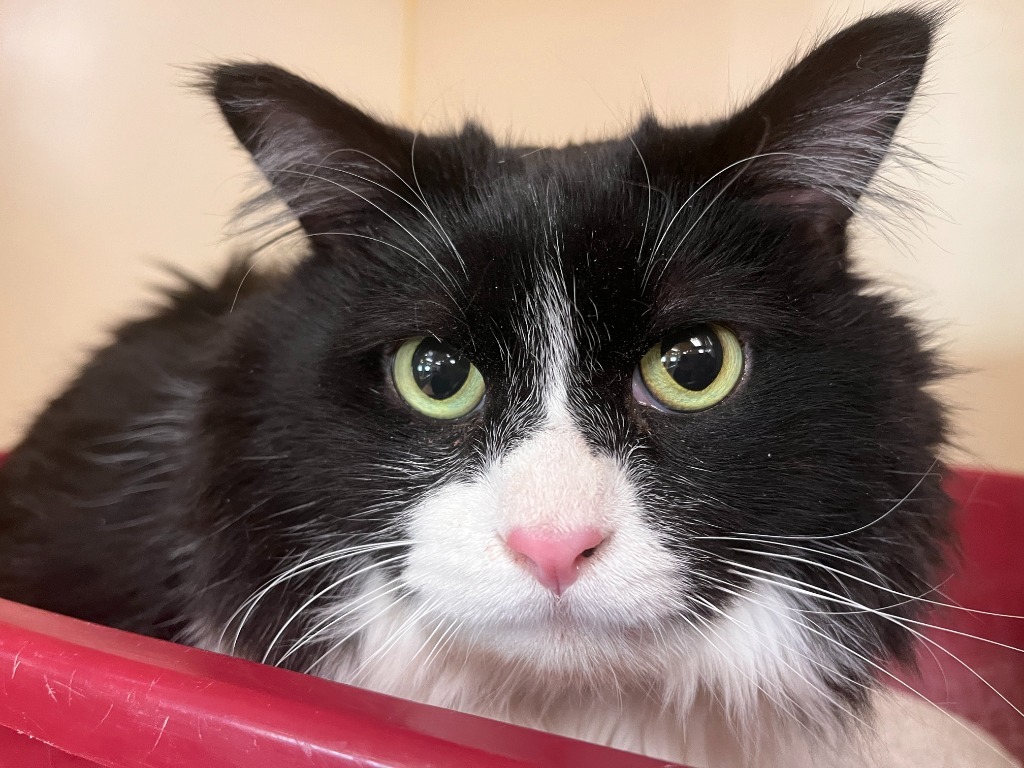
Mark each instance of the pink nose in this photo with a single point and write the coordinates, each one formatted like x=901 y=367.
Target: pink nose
x=554 y=558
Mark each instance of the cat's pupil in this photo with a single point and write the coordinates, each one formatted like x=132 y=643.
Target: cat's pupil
x=692 y=357
x=439 y=369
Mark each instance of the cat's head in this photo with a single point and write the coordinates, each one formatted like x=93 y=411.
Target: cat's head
x=608 y=410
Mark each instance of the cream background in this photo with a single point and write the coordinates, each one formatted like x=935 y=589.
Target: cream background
x=108 y=166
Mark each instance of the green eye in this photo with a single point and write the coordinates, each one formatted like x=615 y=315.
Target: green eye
x=436 y=379
x=693 y=368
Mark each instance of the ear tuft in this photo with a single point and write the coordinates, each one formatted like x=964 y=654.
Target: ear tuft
x=327 y=160
x=824 y=127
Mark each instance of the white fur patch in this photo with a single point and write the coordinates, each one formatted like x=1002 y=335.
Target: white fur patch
x=552 y=481
x=717 y=697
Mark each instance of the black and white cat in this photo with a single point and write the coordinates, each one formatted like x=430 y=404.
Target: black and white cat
x=606 y=439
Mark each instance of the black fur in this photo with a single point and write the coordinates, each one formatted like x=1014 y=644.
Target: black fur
x=206 y=448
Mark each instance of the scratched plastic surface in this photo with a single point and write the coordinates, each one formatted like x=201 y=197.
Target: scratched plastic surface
x=74 y=695
x=122 y=700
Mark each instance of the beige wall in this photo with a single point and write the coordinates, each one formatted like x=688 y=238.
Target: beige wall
x=108 y=166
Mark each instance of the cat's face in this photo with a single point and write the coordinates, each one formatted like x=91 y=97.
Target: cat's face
x=578 y=407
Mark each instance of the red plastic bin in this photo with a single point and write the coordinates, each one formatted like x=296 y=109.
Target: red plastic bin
x=73 y=694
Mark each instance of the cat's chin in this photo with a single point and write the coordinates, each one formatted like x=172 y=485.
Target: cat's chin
x=560 y=635
x=571 y=646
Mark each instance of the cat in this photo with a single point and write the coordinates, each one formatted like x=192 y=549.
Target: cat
x=609 y=439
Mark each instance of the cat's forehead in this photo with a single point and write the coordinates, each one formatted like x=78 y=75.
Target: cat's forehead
x=552 y=243
x=575 y=226
x=587 y=233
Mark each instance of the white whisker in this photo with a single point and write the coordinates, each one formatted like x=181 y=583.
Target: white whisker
x=333 y=619
x=878 y=667
x=333 y=586
x=300 y=568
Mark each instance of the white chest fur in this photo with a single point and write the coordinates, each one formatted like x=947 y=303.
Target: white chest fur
x=677 y=716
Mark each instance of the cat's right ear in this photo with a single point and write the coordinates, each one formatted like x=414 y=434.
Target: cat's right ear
x=332 y=164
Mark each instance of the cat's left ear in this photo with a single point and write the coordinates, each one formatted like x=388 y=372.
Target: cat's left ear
x=813 y=141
